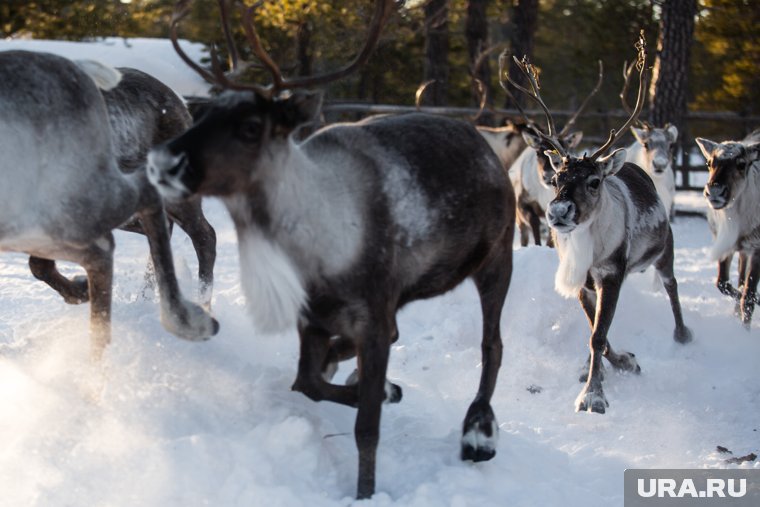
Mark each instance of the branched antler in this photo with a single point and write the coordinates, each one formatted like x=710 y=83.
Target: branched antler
x=382 y=11
x=641 y=62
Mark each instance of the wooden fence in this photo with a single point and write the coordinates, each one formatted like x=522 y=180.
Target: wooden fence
x=689 y=165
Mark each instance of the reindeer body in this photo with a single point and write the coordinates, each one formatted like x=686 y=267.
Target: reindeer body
x=63 y=192
x=733 y=191
x=652 y=151
x=608 y=221
x=341 y=230
x=142 y=113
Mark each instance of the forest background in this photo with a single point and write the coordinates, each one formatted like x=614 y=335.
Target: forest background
x=705 y=54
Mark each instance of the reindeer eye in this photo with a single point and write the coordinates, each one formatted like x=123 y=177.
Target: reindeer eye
x=250 y=130
x=593 y=183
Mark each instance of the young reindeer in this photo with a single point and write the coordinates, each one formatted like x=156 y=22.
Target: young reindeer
x=652 y=150
x=531 y=173
x=63 y=193
x=144 y=112
x=340 y=230
x=607 y=221
x=733 y=191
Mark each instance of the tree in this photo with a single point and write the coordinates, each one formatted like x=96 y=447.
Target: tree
x=436 y=52
x=670 y=77
x=521 y=35
x=476 y=32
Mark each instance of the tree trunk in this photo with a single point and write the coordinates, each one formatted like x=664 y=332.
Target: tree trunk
x=521 y=34
x=476 y=32
x=668 y=91
x=303 y=48
x=436 y=52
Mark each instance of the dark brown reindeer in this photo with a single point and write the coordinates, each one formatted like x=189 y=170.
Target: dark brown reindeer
x=733 y=191
x=63 y=193
x=144 y=112
x=531 y=172
x=607 y=221
x=340 y=230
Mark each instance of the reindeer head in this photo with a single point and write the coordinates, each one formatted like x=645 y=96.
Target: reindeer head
x=579 y=185
x=226 y=148
x=658 y=145
x=238 y=133
x=728 y=163
x=578 y=181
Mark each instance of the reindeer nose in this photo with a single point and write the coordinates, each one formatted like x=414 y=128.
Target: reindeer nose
x=717 y=194
x=659 y=165
x=560 y=212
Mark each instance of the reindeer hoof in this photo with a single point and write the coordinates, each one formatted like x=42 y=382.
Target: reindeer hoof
x=591 y=401
x=190 y=322
x=625 y=361
x=77 y=291
x=480 y=433
x=683 y=335
x=393 y=393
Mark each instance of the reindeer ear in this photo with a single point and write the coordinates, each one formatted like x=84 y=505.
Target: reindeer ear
x=555 y=159
x=574 y=139
x=613 y=162
x=532 y=139
x=298 y=108
x=672 y=132
x=753 y=153
x=706 y=147
x=640 y=134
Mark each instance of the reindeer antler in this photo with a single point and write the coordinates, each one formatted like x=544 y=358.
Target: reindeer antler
x=641 y=65
x=530 y=72
x=627 y=73
x=382 y=11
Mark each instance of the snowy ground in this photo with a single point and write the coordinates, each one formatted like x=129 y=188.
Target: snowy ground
x=167 y=423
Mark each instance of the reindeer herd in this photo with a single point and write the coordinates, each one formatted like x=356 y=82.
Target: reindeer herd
x=340 y=226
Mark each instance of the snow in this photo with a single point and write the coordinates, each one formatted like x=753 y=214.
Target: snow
x=164 y=422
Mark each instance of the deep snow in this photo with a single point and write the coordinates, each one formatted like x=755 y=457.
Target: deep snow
x=163 y=422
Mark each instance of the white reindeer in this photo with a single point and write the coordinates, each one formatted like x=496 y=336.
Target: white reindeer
x=63 y=193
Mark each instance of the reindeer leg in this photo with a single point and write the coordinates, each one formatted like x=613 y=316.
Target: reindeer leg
x=591 y=397
x=535 y=226
x=74 y=291
x=98 y=263
x=313 y=361
x=189 y=216
x=664 y=267
x=372 y=360
x=178 y=316
x=587 y=298
x=480 y=431
x=749 y=297
x=320 y=355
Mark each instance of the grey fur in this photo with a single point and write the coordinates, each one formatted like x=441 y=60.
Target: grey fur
x=608 y=221
x=355 y=221
x=63 y=192
x=733 y=192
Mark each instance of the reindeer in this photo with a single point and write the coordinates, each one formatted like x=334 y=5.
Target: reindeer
x=652 y=150
x=531 y=173
x=63 y=192
x=733 y=191
x=340 y=230
x=143 y=112
x=607 y=221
